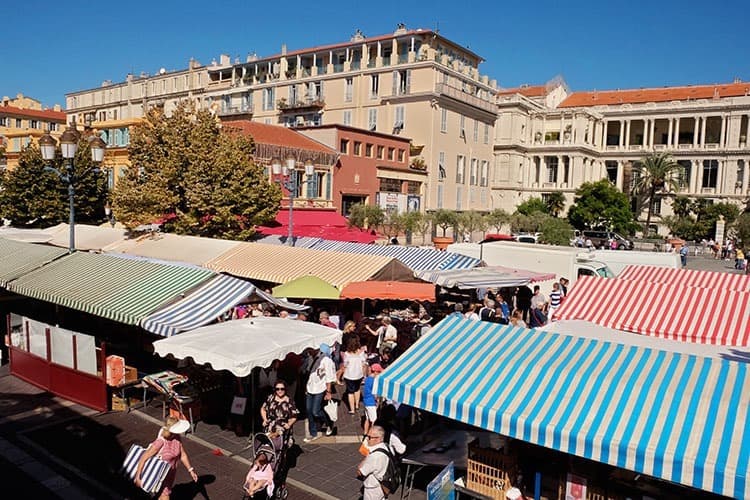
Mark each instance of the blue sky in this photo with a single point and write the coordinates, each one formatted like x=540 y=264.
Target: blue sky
x=593 y=45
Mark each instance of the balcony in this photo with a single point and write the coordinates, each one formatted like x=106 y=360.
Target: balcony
x=684 y=146
x=635 y=147
x=466 y=98
x=301 y=104
x=711 y=146
x=227 y=111
x=660 y=147
x=613 y=148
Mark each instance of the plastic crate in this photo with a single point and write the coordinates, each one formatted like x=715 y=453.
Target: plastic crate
x=489 y=471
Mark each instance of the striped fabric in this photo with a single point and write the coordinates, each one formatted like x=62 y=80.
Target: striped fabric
x=20 y=258
x=687 y=277
x=685 y=313
x=678 y=417
x=154 y=471
x=483 y=277
x=299 y=241
x=123 y=290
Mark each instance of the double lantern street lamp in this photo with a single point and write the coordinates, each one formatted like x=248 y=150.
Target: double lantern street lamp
x=68 y=146
x=286 y=176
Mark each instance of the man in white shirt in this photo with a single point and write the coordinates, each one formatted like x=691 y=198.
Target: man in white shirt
x=373 y=467
x=318 y=390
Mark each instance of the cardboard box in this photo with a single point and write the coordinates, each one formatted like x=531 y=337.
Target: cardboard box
x=131 y=374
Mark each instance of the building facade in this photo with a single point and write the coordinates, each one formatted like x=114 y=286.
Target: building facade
x=23 y=121
x=549 y=140
x=414 y=83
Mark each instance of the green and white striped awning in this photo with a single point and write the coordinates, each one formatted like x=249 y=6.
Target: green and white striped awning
x=124 y=290
x=17 y=258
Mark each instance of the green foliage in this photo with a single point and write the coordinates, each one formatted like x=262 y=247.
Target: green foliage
x=393 y=224
x=365 y=216
x=33 y=197
x=555 y=203
x=520 y=223
x=531 y=205
x=556 y=231
x=742 y=228
x=471 y=221
x=202 y=178
x=600 y=203
x=656 y=172
x=681 y=206
x=696 y=219
x=497 y=219
x=444 y=219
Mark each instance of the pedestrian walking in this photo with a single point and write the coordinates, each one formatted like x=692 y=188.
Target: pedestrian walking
x=169 y=448
x=372 y=469
x=318 y=390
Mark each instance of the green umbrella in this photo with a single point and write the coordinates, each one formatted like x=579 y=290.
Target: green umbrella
x=307 y=287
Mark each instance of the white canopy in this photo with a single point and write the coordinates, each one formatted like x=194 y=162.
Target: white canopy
x=241 y=345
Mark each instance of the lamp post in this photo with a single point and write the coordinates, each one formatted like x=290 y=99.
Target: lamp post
x=69 y=146
x=286 y=176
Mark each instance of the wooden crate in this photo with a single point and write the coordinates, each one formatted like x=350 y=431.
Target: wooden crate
x=489 y=471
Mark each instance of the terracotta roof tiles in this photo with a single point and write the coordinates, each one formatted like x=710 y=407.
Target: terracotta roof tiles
x=527 y=91
x=665 y=94
x=47 y=114
x=277 y=135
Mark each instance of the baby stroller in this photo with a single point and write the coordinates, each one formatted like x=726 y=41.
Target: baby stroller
x=274 y=447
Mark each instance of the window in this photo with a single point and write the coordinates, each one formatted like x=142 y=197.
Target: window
x=357 y=148
x=440 y=196
x=391 y=153
x=374 y=86
x=710 y=173
x=347 y=117
x=611 y=167
x=401 y=155
x=390 y=185
x=683 y=179
x=344 y=146
x=268 y=98
x=372 y=119
x=33 y=123
x=484 y=174
x=656 y=206
x=398 y=122
x=18 y=123
x=52 y=127
x=460 y=169
x=348 y=89
x=441 y=166
x=413 y=187
x=551 y=162
x=459 y=197
x=443 y=120
x=476 y=131
x=473 y=172
x=368 y=150
x=462 y=127
x=381 y=152
x=3 y=121
x=401 y=82
x=487 y=133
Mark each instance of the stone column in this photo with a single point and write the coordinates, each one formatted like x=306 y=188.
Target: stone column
x=622 y=133
x=695 y=131
x=620 y=174
x=627 y=133
x=604 y=134
x=703 y=131
x=651 y=134
x=694 y=176
x=669 y=132
x=723 y=139
x=746 y=175
x=560 y=171
x=677 y=133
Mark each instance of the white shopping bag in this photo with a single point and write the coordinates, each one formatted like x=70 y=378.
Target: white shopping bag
x=332 y=410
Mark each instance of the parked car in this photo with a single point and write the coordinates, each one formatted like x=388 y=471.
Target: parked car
x=602 y=238
x=527 y=238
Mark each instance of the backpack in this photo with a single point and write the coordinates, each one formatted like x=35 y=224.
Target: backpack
x=392 y=477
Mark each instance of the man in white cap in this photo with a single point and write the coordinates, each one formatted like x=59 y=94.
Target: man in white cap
x=318 y=390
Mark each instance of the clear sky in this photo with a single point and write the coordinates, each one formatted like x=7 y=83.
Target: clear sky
x=49 y=48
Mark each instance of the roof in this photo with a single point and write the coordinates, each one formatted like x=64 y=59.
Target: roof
x=21 y=258
x=317 y=224
x=389 y=290
x=671 y=311
x=663 y=94
x=277 y=135
x=46 y=114
x=166 y=246
x=525 y=90
x=124 y=290
x=686 y=277
x=483 y=277
x=682 y=418
x=87 y=237
x=350 y=128
x=280 y=264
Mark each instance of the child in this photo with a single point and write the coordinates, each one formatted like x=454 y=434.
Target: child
x=259 y=477
x=369 y=399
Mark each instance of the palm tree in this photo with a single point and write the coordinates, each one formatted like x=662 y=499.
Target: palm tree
x=555 y=203
x=656 y=172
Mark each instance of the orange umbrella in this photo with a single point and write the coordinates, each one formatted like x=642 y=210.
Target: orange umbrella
x=396 y=290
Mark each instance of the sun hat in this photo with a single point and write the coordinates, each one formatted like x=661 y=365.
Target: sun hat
x=325 y=349
x=180 y=427
x=376 y=368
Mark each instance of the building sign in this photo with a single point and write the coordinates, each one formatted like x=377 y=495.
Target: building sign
x=413 y=203
x=392 y=202
x=441 y=488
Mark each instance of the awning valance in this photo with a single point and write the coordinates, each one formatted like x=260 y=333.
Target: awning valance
x=205 y=304
x=684 y=313
x=124 y=290
x=687 y=277
x=483 y=277
x=682 y=418
x=19 y=258
x=389 y=290
x=243 y=344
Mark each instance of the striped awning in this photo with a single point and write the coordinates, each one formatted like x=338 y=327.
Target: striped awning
x=280 y=264
x=679 y=417
x=207 y=303
x=687 y=277
x=20 y=258
x=483 y=277
x=685 y=313
x=123 y=290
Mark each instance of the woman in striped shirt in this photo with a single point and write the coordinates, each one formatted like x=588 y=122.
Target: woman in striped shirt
x=555 y=298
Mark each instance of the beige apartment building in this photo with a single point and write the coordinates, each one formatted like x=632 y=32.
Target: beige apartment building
x=23 y=121
x=550 y=140
x=414 y=83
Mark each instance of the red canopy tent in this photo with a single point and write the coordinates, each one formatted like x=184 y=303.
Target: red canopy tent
x=395 y=290
x=687 y=277
x=317 y=224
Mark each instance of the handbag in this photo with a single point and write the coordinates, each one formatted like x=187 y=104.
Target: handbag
x=154 y=470
x=332 y=410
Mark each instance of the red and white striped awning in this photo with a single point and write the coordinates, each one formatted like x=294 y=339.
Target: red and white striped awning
x=684 y=313
x=687 y=277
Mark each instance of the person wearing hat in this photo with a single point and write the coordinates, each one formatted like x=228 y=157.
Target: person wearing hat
x=169 y=448
x=318 y=390
x=368 y=397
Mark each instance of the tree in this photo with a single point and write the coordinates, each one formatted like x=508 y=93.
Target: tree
x=555 y=203
x=742 y=228
x=33 y=197
x=444 y=219
x=471 y=221
x=656 y=172
x=556 y=231
x=423 y=224
x=364 y=216
x=199 y=177
x=532 y=205
x=393 y=224
x=681 y=206
x=601 y=203
x=520 y=223
x=497 y=219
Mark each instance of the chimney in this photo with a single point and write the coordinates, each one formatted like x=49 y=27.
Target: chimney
x=224 y=60
x=56 y=107
x=283 y=49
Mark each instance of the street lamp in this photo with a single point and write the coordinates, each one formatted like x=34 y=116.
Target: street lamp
x=68 y=147
x=286 y=176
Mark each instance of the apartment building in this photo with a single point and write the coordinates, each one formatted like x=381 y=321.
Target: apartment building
x=551 y=140
x=414 y=83
x=23 y=121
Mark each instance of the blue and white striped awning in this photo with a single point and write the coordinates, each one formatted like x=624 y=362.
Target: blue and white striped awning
x=206 y=304
x=675 y=416
x=483 y=277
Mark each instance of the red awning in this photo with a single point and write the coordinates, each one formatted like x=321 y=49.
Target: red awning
x=395 y=290
x=687 y=277
x=684 y=313
x=318 y=224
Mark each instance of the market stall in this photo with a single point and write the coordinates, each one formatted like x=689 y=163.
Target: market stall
x=389 y=290
x=483 y=277
x=307 y=287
